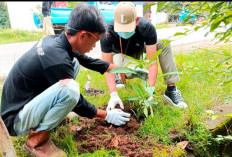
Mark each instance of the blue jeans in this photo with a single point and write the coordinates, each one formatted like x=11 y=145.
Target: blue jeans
x=50 y=107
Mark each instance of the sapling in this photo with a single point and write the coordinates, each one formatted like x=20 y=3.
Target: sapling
x=145 y=94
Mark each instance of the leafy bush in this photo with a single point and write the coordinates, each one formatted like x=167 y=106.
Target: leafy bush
x=4 y=17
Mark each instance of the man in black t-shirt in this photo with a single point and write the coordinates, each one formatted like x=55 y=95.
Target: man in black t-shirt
x=131 y=35
x=41 y=90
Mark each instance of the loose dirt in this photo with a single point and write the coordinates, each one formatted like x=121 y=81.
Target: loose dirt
x=92 y=91
x=95 y=134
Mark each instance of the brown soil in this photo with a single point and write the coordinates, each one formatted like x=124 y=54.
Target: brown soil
x=95 y=134
x=92 y=91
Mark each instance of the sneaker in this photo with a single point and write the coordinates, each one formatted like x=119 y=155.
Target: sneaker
x=118 y=81
x=174 y=98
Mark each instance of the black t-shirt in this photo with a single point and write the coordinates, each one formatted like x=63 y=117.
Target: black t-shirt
x=47 y=62
x=145 y=33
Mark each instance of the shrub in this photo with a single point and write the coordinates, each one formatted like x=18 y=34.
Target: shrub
x=4 y=17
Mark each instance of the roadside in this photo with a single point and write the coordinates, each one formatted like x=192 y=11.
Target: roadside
x=200 y=45
x=10 y=53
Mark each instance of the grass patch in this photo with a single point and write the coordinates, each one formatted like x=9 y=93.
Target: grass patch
x=162 y=26
x=8 y=36
x=200 y=86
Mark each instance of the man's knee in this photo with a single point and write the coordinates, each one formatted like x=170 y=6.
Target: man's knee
x=71 y=89
x=64 y=81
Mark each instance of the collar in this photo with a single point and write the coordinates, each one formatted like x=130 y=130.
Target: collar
x=66 y=45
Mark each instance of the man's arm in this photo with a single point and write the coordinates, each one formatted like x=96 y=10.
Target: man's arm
x=153 y=68
x=93 y=63
x=110 y=78
x=115 y=116
x=101 y=114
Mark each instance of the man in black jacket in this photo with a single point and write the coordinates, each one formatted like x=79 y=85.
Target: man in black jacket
x=41 y=90
x=133 y=36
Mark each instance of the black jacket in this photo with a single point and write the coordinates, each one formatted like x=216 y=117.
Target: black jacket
x=47 y=62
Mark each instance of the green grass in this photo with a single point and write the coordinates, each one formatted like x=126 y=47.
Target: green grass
x=200 y=86
x=8 y=36
x=162 y=26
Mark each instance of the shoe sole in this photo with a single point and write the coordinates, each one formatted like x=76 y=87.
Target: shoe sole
x=31 y=154
x=169 y=101
x=27 y=150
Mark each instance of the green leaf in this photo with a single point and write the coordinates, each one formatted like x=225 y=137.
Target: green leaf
x=147 y=104
x=227 y=100
x=209 y=112
x=217 y=34
x=228 y=81
x=170 y=73
x=149 y=5
x=216 y=117
x=130 y=63
x=145 y=111
x=133 y=98
x=122 y=70
x=229 y=115
x=160 y=5
x=219 y=139
x=215 y=7
x=179 y=33
x=133 y=59
x=228 y=137
x=152 y=102
x=155 y=56
x=195 y=3
x=204 y=23
x=150 y=90
x=218 y=20
x=145 y=84
x=196 y=28
x=222 y=61
x=166 y=42
x=151 y=110
x=138 y=91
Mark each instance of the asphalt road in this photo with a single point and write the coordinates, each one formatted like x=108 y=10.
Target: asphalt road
x=10 y=53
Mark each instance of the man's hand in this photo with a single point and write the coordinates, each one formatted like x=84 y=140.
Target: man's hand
x=117 y=117
x=114 y=100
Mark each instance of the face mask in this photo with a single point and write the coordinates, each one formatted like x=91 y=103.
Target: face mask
x=126 y=35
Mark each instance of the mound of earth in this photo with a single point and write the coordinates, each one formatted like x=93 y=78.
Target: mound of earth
x=95 y=134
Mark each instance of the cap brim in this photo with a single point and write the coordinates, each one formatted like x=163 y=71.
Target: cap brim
x=124 y=27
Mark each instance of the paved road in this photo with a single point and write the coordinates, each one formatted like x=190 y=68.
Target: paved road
x=10 y=53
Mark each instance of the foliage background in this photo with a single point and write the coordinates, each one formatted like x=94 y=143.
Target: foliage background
x=4 y=17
